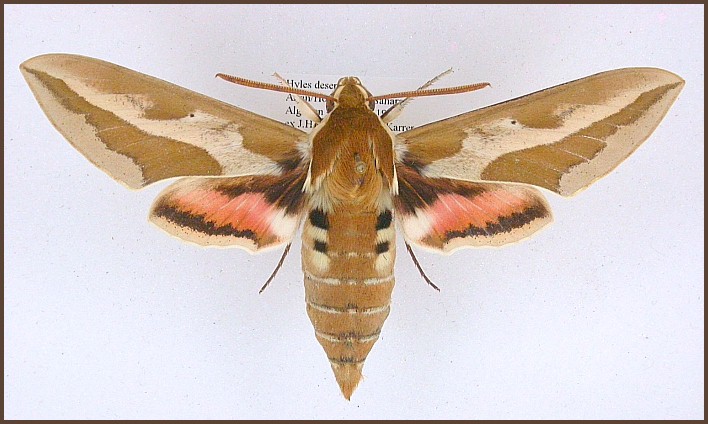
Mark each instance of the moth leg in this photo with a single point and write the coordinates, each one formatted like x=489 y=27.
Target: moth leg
x=307 y=110
x=277 y=268
x=395 y=110
x=420 y=269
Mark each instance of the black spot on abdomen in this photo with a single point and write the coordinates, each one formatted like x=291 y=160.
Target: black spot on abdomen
x=319 y=219
x=321 y=246
x=384 y=220
x=382 y=247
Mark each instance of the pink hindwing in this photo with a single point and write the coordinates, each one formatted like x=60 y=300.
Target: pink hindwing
x=444 y=214
x=253 y=213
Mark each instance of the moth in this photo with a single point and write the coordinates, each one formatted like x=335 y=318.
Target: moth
x=251 y=182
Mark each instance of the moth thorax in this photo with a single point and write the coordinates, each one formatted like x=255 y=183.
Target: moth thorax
x=355 y=180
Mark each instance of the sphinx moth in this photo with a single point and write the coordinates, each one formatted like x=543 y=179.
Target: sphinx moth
x=251 y=182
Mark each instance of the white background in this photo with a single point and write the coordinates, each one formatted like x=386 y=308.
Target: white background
x=599 y=316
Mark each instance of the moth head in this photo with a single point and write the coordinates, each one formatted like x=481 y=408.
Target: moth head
x=350 y=93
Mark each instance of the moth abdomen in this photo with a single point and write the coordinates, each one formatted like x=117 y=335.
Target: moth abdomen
x=347 y=258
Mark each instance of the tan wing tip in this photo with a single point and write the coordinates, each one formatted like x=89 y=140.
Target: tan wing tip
x=31 y=63
x=663 y=76
x=670 y=76
x=657 y=71
x=644 y=73
x=44 y=60
x=348 y=377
